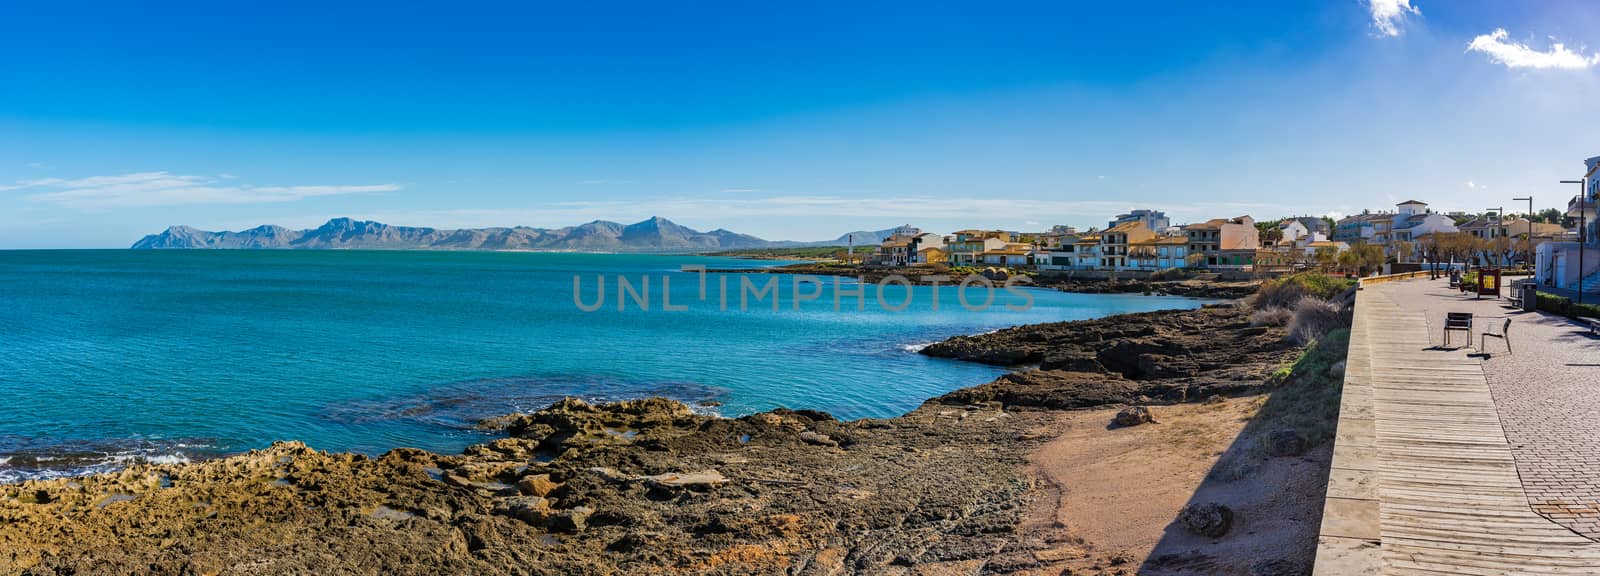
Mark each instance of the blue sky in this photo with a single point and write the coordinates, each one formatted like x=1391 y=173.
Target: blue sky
x=794 y=121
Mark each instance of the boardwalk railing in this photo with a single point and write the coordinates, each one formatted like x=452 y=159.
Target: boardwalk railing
x=1393 y=277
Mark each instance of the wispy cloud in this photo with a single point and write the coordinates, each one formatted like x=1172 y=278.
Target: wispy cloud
x=167 y=189
x=1500 y=49
x=1387 y=15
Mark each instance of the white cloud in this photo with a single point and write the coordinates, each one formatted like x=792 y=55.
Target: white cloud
x=1388 y=14
x=1514 y=55
x=167 y=189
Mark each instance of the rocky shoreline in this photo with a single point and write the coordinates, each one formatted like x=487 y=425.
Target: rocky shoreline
x=650 y=487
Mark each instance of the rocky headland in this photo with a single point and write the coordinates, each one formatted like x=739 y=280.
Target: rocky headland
x=651 y=487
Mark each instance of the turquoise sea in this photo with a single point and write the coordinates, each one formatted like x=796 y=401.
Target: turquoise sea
x=111 y=356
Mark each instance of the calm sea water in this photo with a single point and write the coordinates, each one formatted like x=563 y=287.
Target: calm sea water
x=111 y=356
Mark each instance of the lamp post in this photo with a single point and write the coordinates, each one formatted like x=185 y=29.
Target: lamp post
x=1499 y=218
x=1582 y=189
x=1529 y=239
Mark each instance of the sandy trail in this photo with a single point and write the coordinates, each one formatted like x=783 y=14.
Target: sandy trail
x=1112 y=494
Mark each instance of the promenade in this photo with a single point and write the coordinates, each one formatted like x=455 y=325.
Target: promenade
x=1448 y=463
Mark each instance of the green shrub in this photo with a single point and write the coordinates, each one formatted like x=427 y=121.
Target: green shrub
x=1287 y=291
x=1309 y=402
x=1306 y=402
x=1589 y=310
x=1313 y=318
x=1566 y=307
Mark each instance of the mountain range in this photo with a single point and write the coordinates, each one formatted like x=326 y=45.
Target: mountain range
x=652 y=235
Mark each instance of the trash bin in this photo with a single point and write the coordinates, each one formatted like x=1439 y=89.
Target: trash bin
x=1530 y=296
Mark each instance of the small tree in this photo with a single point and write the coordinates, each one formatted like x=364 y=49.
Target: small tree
x=1404 y=250
x=1327 y=258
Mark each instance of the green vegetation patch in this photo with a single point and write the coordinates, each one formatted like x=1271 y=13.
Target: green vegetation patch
x=1285 y=292
x=1308 y=402
x=1305 y=405
x=1566 y=307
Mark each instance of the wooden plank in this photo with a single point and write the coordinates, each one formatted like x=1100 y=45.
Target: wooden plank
x=1430 y=448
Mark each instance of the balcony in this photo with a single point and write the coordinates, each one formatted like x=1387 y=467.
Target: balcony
x=1587 y=213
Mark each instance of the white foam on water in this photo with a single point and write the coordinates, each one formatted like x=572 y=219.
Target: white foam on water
x=133 y=458
x=916 y=347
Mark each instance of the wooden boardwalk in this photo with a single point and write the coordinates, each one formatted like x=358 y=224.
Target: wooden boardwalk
x=1423 y=481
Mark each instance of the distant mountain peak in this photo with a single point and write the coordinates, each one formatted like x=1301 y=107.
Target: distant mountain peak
x=655 y=234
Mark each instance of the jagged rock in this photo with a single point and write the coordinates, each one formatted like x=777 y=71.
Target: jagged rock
x=573 y=520
x=536 y=485
x=1054 y=389
x=701 y=479
x=608 y=474
x=818 y=439
x=1209 y=519
x=1133 y=416
x=534 y=510
x=1073 y=361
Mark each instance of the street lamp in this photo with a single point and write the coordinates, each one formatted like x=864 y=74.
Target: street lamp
x=1529 y=261
x=1581 y=240
x=1499 y=218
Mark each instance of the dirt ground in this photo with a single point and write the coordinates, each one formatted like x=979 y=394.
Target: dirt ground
x=1112 y=494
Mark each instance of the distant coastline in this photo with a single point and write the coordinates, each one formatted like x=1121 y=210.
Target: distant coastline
x=651 y=236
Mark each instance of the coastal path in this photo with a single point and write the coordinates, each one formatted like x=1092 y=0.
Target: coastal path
x=1435 y=471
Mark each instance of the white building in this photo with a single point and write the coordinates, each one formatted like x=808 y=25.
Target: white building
x=1155 y=220
x=1414 y=221
x=1294 y=232
x=1575 y=265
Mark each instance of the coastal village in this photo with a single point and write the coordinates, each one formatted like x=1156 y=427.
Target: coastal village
x=1145 y=242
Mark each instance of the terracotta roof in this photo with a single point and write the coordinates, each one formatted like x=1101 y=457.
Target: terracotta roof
x=1207 y=225
x=1128 y=226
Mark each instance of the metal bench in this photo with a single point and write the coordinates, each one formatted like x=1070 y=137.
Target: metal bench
x=1457 y=322
x=1594 y=325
